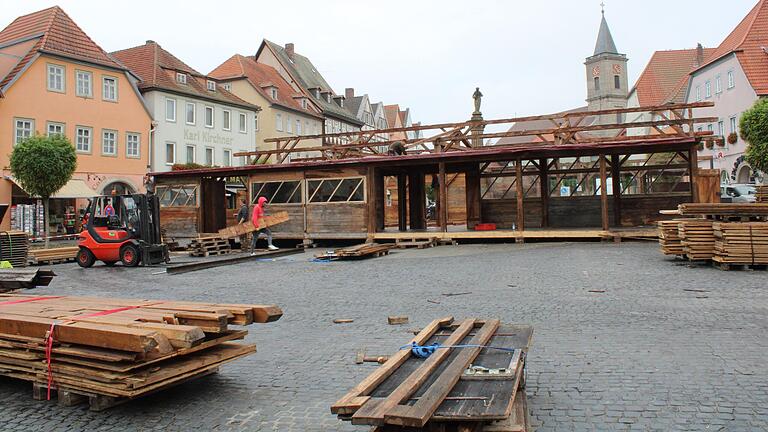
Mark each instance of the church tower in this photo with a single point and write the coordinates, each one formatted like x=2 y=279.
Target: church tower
x=607 y=85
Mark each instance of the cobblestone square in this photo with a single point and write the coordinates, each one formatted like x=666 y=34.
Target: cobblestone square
x=625 y=338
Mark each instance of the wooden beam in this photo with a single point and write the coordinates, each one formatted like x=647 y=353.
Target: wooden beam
x=417 y=198
x=472 y=195
x=443 y=197
x=520 y=195
x=616 y=179
x=693 y=159
x=402 y=203
x=603 y=193
x=544 y=187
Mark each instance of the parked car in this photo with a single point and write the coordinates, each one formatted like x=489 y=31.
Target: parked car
x=738 y=193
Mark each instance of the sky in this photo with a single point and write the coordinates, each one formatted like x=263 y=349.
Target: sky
x=429 y=55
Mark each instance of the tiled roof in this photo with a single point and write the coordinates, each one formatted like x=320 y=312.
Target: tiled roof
x=666 y=76
x=747 y=40
x=54 y=32
x=353 y=105
x=308 y=77
x=392 y=112
x=260 y=76
x=157 y=68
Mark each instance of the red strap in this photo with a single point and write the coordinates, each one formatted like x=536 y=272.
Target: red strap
x=106 y=312
x=10 y=302
x=48 y=357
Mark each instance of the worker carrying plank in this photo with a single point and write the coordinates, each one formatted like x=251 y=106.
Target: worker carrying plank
x=256 y=218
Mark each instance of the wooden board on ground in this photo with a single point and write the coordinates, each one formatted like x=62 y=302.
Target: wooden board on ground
x=247 y=227
x=365 y=250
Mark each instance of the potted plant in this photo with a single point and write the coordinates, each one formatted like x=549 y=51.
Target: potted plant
x=732 y=138
x=710 y=144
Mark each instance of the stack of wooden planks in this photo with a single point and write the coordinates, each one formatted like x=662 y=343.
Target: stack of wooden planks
x=14 y=246
x=205 y=246
x=762 y=194
x=245 y=228
x=17 y=278
x=454 y=389
x=108 y=351
x=698 y=239
x=669 y=237
x=366 y=250
x=741 y=243
x=724 y=209
x=52 y=255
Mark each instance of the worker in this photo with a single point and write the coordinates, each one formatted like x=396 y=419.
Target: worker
x=258 y=214
x=108 y=209
x=242 y=217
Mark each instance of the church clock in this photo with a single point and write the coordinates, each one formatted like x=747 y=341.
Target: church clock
x=596 y=71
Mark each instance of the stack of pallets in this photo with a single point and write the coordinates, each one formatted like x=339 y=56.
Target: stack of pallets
x=698 y=239
x=18 y=278
x=453 y=389
x=52 y=255
x=669 y=237
x=762 y=194
x=367 y=250
x=205 y=246
x=741 y=243
x=107 y=351
x=14 y=246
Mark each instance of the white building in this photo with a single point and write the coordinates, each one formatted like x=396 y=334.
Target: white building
x=196 y=120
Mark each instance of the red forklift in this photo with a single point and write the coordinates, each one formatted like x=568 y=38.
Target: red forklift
x=123 y=228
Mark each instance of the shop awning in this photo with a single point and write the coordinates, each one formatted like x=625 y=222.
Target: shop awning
x=75 y=188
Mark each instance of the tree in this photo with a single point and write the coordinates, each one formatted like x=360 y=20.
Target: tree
x=754 y=130
x=42 y=166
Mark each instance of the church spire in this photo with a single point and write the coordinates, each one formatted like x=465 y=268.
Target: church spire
x=605 y=42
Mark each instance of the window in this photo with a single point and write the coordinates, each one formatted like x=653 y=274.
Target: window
x=211 y=85
x=110 y=89
x=698 y=93
x=24 y=129
x=279 y=122
x=209 y=116
x=718 y=84
x=170 y=110
x=227 y=86
x=721 y=128
x=84 y=82
x=597 y=83
x=227 y=161
x=288 y=124
x=170 y=153
x=336 y=190
x=243 y=125
x=177 y=195
x=617 y=81
x=109 y=142
x=181 y=78
x=273 y=92
x=298 y=126
x=209 y=156
x=132 y=145
x=227 y=123
x=190 y=113
x=190 y=154
x=278 y=192
x=55 y=129
x=83 y=137
x=733 y=125
x=731 y=81
x=56 y=78
x=710 y=127
x=708 y=89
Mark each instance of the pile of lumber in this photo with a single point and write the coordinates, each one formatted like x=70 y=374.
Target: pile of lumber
x=17 y=278
x=698 y=239
x=453 y=389
x=247 y=227
x=108 y=351
x=366 y=250
x=669 y=237
x=14 y=246
x=52 y=255
x=762 y=194
x=205 y=246
x=741 y=243
x=723 y=209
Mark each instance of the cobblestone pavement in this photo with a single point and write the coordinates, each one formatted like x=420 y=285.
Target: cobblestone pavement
x=651 y=352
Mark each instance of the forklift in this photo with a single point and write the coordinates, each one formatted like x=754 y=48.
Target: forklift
x=122 y=228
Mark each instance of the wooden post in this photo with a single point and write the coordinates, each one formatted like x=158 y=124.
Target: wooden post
x=417 y=198
x=402 y=203
x=603 y=192
x=443 y=197
x=372 y=200
x=519 y=192
x=693 y=160
x=616 y=191
x=472 y=195
x=544 y=184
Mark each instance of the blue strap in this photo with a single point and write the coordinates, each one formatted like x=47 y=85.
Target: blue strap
x=424 y=351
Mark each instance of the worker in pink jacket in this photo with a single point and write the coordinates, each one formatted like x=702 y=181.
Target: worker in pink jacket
x=256 y=216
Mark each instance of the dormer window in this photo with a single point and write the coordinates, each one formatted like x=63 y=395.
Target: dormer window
x=273 y=93
x=211 y=85
x=315 y=92
x=339 y=101
x=181 y=78
x=227 y=86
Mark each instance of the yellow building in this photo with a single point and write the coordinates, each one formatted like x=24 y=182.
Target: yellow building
x=55 y=80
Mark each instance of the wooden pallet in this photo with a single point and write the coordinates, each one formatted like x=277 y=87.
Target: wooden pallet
x=205 y=246
x=52 y=255
x=416 y=242
x=366 y=250
x=442 y=392
x=14 y=246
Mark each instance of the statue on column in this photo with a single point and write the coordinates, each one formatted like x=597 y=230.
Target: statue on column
x=477 y=96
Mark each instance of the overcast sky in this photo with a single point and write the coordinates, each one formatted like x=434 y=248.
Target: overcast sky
x=526 y=56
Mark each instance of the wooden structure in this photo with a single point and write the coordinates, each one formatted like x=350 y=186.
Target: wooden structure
x=52 y=255
x=573 y=176
x=453 y=389
x=106 y=351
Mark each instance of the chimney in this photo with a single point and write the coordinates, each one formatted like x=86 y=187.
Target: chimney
x=349 y=93
x=699 y=55
x=150 y=42
x=289 y=50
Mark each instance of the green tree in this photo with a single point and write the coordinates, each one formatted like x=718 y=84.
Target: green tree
x=42 y=166
x=754 y=130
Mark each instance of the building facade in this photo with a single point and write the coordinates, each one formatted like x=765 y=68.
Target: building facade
x=285 y=111
x=55 y=80
x=197 y=120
